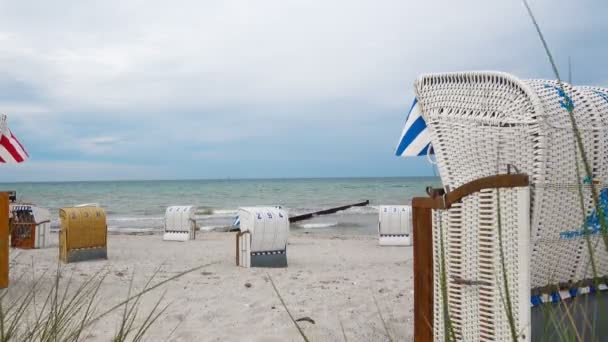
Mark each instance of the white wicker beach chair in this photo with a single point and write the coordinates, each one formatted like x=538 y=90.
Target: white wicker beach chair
x=180 y=223
x=488 y=123
x=262 y=237
x=395 y=225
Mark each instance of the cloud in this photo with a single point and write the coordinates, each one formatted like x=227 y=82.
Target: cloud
x=202 y=82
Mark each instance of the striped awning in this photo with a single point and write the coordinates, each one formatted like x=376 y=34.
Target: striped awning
x=11 y=150
x=415 y=138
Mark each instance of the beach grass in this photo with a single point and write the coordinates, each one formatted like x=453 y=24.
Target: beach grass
x=67 y=312
x=295 y=322
x=569 y=330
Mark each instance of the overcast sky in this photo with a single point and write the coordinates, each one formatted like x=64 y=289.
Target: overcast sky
x=151 y=89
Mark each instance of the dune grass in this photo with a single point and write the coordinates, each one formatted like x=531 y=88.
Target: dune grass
x=387 y=331
x=569 y=331
x=68 y=312
x=295 y=322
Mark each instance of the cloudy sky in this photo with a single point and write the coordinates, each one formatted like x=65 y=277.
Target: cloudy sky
x=271 y=88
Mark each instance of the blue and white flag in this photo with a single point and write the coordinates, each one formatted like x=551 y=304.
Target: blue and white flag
x=415 y=139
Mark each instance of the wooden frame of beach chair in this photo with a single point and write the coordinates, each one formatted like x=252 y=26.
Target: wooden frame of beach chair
x=395 y=225
x=483 y=124
x=262 y=237
x=180 y=223
x=461 y=221
x=43 y=227
x=84 y=234
x=4 y=202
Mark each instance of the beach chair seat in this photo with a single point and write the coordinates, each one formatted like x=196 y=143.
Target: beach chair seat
x=262 y=237
x=395 y=225
x=180 y=223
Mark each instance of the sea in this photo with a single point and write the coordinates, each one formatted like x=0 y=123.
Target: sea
x=139 y=206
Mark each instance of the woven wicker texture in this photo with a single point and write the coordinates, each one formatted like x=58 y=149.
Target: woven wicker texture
x=482 y=123
x=474 y=272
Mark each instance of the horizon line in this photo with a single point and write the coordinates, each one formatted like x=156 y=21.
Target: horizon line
x=214 y=179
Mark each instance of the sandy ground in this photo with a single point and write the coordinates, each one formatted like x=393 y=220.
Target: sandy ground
x=331 y=279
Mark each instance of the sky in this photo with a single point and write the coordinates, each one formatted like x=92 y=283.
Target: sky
x=133 y=89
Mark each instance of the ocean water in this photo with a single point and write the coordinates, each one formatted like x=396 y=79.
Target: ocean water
x=140 y=205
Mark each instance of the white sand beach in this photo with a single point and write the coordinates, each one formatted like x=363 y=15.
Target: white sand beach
x=331 y=279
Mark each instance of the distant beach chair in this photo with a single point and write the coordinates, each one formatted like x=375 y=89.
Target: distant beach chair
x=84 y=234
x=262 y=237
x=180 y=223
x=507 y=156
x=395 y=225
x=30 y=226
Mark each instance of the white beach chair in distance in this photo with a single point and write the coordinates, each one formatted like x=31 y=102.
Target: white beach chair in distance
x=395 y=225
x=180 y=223
x=262 y=237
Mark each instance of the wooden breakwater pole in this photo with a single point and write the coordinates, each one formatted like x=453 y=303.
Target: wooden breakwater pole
x=308 y=216
x=326 y=211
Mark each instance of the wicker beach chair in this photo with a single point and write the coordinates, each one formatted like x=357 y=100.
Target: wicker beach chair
x=395 y=225
x=485 y=124
x=180 y=223
x=84 y=234
x=262 y=237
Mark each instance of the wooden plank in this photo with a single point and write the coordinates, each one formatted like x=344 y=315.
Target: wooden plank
x=423 y=274
x=238 y=257
x=491 y=182
x=3 y=240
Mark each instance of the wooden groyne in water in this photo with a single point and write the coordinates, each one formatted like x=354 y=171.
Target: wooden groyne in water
x=326 y=211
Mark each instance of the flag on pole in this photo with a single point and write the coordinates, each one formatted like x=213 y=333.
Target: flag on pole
x=11 y=150
x=415 y=138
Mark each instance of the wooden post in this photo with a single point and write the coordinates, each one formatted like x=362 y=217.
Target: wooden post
x=3 y=240
x=423 y=273
x=238 y=257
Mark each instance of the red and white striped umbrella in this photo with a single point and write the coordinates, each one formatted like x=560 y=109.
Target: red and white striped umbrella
x=11 y=150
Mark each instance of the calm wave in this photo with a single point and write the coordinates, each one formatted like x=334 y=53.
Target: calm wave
x=141 y=204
